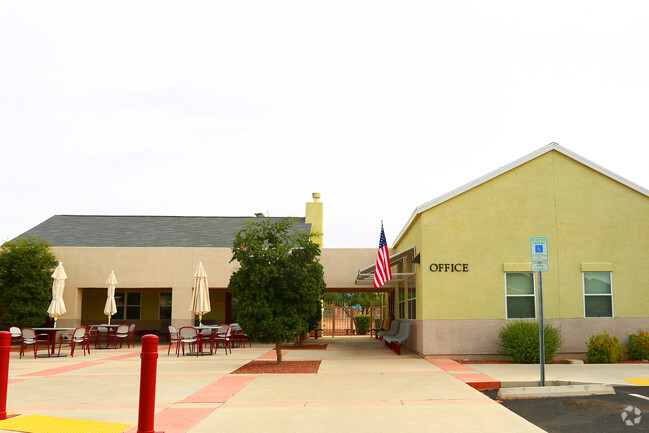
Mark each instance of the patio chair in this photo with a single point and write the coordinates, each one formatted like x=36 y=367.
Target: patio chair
x=101 y=331
x=173 y=337
x=394 y=329
x=29 y=337
x=239 y=337
x=206 y=335
x=188 y=335
x=223 y=334
x=92 y=334
x=122 y=334
x=131 y=334
x=16 y=334
x=78 y=336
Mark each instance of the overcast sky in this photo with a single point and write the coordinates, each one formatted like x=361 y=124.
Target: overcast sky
x=232 y=108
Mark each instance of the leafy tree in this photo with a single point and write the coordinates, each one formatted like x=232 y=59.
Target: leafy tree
x=364 y=300
x=279 y=283
x=26 y=267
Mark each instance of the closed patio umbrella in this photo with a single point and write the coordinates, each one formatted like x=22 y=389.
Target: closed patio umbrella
x=110 y=308
x=57 y=306
x=200 y=295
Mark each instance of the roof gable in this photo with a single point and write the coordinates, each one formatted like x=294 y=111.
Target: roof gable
x=511 y=166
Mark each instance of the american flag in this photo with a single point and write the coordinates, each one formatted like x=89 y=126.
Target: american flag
x=382 y=273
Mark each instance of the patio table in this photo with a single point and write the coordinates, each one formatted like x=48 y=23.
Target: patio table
x=111 y=328
x=52 y=333
x=200 y=328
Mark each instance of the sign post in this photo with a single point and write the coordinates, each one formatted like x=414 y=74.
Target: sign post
x=539 y=253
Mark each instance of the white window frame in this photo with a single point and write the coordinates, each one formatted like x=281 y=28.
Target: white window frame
x=412 y=315
x=533 y=296
x=583 y=288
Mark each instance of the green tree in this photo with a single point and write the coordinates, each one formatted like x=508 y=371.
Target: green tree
x=364 y=300
x=26 y=266
x=279 y=283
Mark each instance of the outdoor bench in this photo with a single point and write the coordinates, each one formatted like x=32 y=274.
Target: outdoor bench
x=394 y=328
x=395 y=342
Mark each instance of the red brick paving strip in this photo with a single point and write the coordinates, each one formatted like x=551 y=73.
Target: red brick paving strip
x=476 y=380
x=449 y=365
x=220 y=390
x=178 y=420
x=271 y=354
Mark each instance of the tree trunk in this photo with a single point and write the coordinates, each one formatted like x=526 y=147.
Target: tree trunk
x=300 y=339
x=278 y=351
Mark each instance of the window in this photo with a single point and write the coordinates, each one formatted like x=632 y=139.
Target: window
x=412 y=299
x=128 y=305
x=402 y=303
x=520 y=295
x=165 y=306
x=598 y=294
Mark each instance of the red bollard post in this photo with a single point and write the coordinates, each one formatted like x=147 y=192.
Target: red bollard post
x=148 y=369
x=5 y=348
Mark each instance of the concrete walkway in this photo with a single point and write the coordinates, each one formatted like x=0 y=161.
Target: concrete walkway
x=361 y=386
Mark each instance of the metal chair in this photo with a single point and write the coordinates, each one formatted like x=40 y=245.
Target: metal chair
x=205 y=336
x=225 y=337
x=188 y=335
x=92 y=334
x=29 y=337
x=79 y=336
x=16 y=334
x=173 y=337
x=239 y=337
x=131 y=335
x=122 y=334
x=102 y=330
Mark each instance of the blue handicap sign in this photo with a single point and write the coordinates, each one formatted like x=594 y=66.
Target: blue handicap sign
x=538 y=248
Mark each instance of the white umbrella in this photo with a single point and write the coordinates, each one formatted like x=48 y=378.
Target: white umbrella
x=57 y=306
x=110 y=308
x=200 y=295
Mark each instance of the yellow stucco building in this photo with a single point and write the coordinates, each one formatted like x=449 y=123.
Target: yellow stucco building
x=474 y=257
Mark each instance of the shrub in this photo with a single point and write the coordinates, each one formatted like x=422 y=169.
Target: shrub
x=602 y=348
x=362 y=323
x=520 y=341
x=639 y=345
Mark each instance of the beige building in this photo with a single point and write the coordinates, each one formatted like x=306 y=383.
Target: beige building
x=154 y=259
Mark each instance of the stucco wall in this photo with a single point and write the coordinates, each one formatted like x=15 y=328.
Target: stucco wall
x=173 y=269
x=591 y=222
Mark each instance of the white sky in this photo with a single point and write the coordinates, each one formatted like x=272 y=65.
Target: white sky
x=232 y=108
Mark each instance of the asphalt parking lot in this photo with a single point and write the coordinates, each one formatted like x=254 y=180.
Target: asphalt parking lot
x=625 y=411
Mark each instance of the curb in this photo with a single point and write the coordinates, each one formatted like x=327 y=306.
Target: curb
x=555 y=391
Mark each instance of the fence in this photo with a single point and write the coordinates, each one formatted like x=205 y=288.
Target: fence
x=338 y=319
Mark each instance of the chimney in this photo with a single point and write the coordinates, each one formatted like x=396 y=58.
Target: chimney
x=315 y=216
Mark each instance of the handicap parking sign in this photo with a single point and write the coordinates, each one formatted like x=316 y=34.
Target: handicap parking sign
x=539 y=249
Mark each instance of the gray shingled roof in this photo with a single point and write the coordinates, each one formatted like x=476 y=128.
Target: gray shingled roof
x=144 y=231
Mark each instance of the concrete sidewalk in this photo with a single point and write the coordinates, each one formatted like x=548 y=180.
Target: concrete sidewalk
x=608 y=374
x=361 y=386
